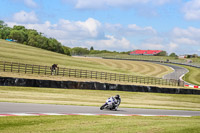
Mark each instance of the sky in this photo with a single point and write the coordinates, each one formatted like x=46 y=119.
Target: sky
x=115 y=25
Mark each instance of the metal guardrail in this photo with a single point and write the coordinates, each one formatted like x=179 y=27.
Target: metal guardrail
x=79 y=73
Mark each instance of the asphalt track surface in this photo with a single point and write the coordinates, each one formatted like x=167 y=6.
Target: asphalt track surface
x=6 y=107
x=177 y=73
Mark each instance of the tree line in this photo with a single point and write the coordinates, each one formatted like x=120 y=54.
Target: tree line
x=31 y=37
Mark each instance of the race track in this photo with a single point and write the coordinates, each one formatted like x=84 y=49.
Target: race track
x=14 y=108
x=177 y=73
x=8 y=108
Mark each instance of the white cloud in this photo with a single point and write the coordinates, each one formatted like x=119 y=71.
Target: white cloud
x=111 y=43
x=99 y=4
x=192 y=10
x=187 y=41
x=189 y=32
x=190 y=36
x=172 y=47
x=30 y=3
x=89 y=29
x=153 y=46
x=130 y=30
x=25 y=17
x=144 y=30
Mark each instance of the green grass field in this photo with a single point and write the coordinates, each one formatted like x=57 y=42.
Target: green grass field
x=193 y=76
x=98 y=124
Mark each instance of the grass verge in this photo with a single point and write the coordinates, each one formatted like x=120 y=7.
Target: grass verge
x=193 y=76
x=98 y=124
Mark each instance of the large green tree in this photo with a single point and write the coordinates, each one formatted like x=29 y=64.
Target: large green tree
x=67 y=50
x=173 y=55
x=2 y=24
x=4 y=30
x=17 y=35
x=79 y=51
x=162 y=53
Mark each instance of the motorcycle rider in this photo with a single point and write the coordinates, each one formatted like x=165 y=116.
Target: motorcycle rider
x=117 y=101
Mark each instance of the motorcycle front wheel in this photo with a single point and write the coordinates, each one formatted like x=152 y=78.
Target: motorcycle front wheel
x=102 y=107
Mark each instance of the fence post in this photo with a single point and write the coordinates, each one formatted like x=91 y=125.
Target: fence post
x=4 y=67
x=45 y=70
x=132 y=78
x=18 y=67
x=11 y=66
x=39 y=69
x=87 y=74
x=58 y=71
x=32 y=68
x=25 y=67
x=0 y=65
x=63 y=71
x=69 y=72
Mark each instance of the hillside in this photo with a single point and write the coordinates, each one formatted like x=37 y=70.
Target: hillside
x=15 y=52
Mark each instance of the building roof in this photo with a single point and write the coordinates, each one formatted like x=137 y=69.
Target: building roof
x=145 y=52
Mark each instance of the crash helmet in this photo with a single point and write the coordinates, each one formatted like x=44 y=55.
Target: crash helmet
x=117 y=96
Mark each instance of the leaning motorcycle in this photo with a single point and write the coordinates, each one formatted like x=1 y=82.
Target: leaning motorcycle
x=109 y=104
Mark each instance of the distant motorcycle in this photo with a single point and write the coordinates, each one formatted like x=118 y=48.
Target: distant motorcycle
x=111 y=104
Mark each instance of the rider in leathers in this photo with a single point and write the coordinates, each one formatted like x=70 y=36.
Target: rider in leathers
x=117 y=101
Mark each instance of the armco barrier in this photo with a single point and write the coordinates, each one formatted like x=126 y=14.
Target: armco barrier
x=7 y=81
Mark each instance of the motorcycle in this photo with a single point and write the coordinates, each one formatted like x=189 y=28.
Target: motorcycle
x=110 y=104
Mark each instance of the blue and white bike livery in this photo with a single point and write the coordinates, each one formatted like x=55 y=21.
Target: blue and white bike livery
x=111 y=104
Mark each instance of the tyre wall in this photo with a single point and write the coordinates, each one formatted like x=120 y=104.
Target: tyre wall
x=7 y=81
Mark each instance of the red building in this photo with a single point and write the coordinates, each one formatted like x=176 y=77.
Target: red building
x=145 y=52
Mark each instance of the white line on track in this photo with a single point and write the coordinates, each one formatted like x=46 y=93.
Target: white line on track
x=86 y=114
